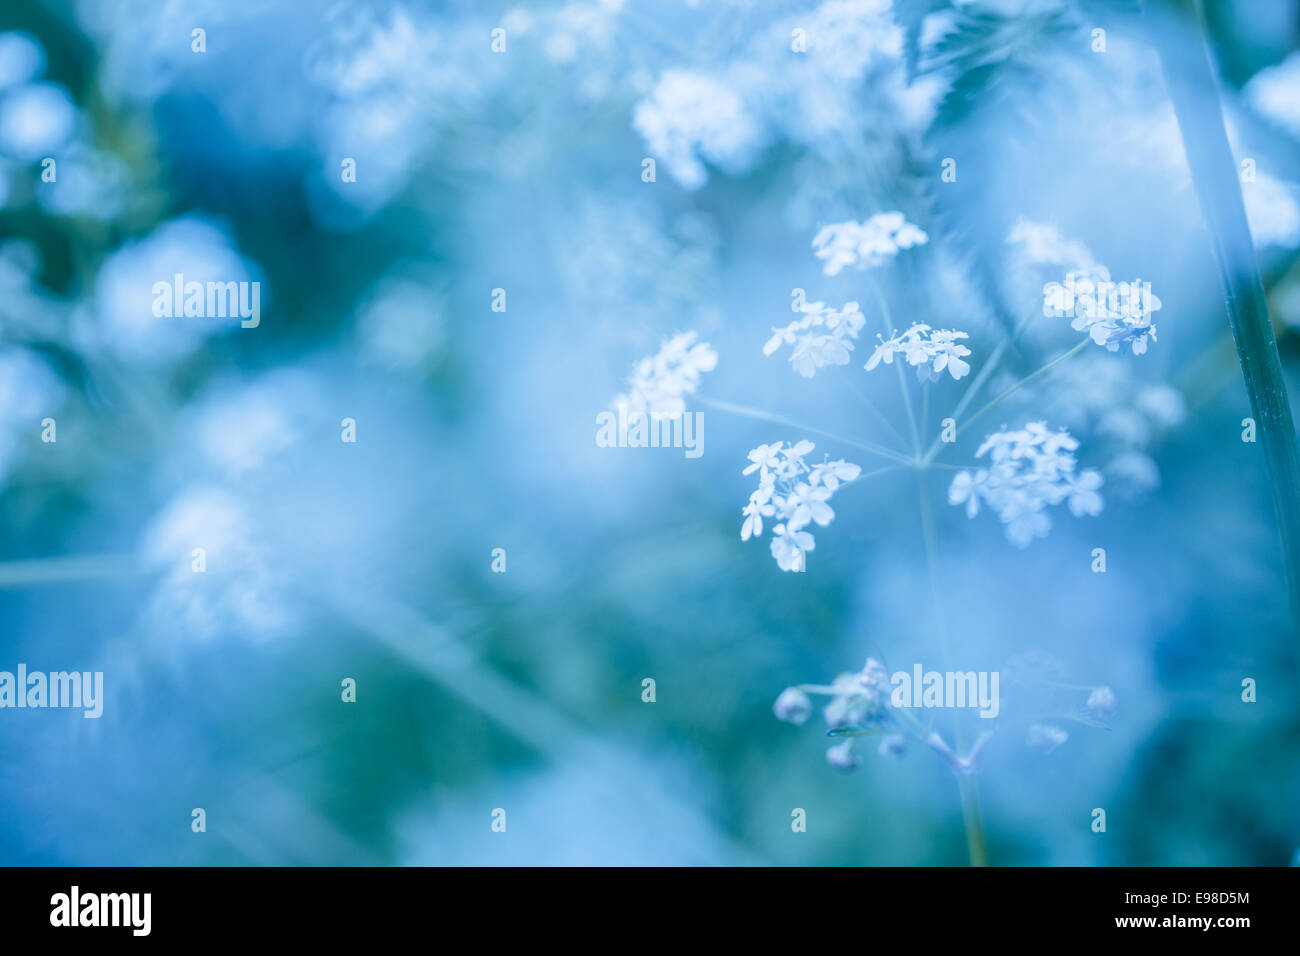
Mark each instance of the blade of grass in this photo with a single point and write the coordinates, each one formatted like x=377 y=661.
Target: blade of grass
x=1193 y=90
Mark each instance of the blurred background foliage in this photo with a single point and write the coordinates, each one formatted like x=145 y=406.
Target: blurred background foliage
x=522 y=170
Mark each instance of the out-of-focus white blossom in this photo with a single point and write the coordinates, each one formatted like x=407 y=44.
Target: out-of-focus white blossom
x=689 y=118
x=241 y=592
x=792 y=493
x=1102 y=702
x=1121 y=414
x=866 y=245
x=91 y=183
x=36 y=120
x=1029 y=470
x=1042 y=243
x=658 y=383
x=1272 y=211
x=823 y=336
x=1044 y=738
x=1275 y=93
x=22 y=59
x=121 y=319
x=793 y=706
x=930 y=351
x=842 y=757
x=29 y=392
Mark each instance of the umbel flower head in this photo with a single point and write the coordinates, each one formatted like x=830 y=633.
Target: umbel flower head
x=866 y=245
x=1113 y=314
x=1028 y=471
x=859 y=705
x=658 y=383
x=821 y=337
x=793 y=494
x=930 y=351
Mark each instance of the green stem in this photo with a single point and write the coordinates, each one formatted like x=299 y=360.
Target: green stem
x=967 y=786
x=1015 y=388
x=983 y=375
x=887 y=318
x=1195 y=96
x=760 y=415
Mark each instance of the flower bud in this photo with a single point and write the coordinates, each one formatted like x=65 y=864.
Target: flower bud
x=793 y=706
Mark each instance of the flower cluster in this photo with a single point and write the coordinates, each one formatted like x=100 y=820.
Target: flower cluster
x=931 y=351
x=792 y=493
x=1041 y=243
x=823 y=336
x=1111 y=313
x=866 y=244
x=1122 y=415
x=859 y=705
x=658 y=382
x=691 y=118
x=1028 y=470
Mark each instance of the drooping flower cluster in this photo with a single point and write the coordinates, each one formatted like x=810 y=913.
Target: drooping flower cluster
x=862 y=705
x=866 y=244
x=823 y=336
x=859 y=705
x=658 y=382
x=1028 y=471
x=793 y=494
x=930 y=351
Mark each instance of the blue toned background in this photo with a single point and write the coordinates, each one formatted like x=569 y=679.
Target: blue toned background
x=522 y=170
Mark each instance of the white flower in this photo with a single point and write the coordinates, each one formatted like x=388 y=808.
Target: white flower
x=865 y=244
x=689 y=117
x=1111 y=313
x=793 y=706
x=1029 y=470
x=787 y=546
x=806 y=503
x=1275 y=92
x=794 y=494
x=1084 y=498
x=765 y=457
x=658 y=383
x=842 y=757
x=1272 y=211
x=930 y=351
x=1102 y=702
x=1043 y=244
x=821 y=337
x=832 y=473
x=759 y=507
x=1045 y=738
